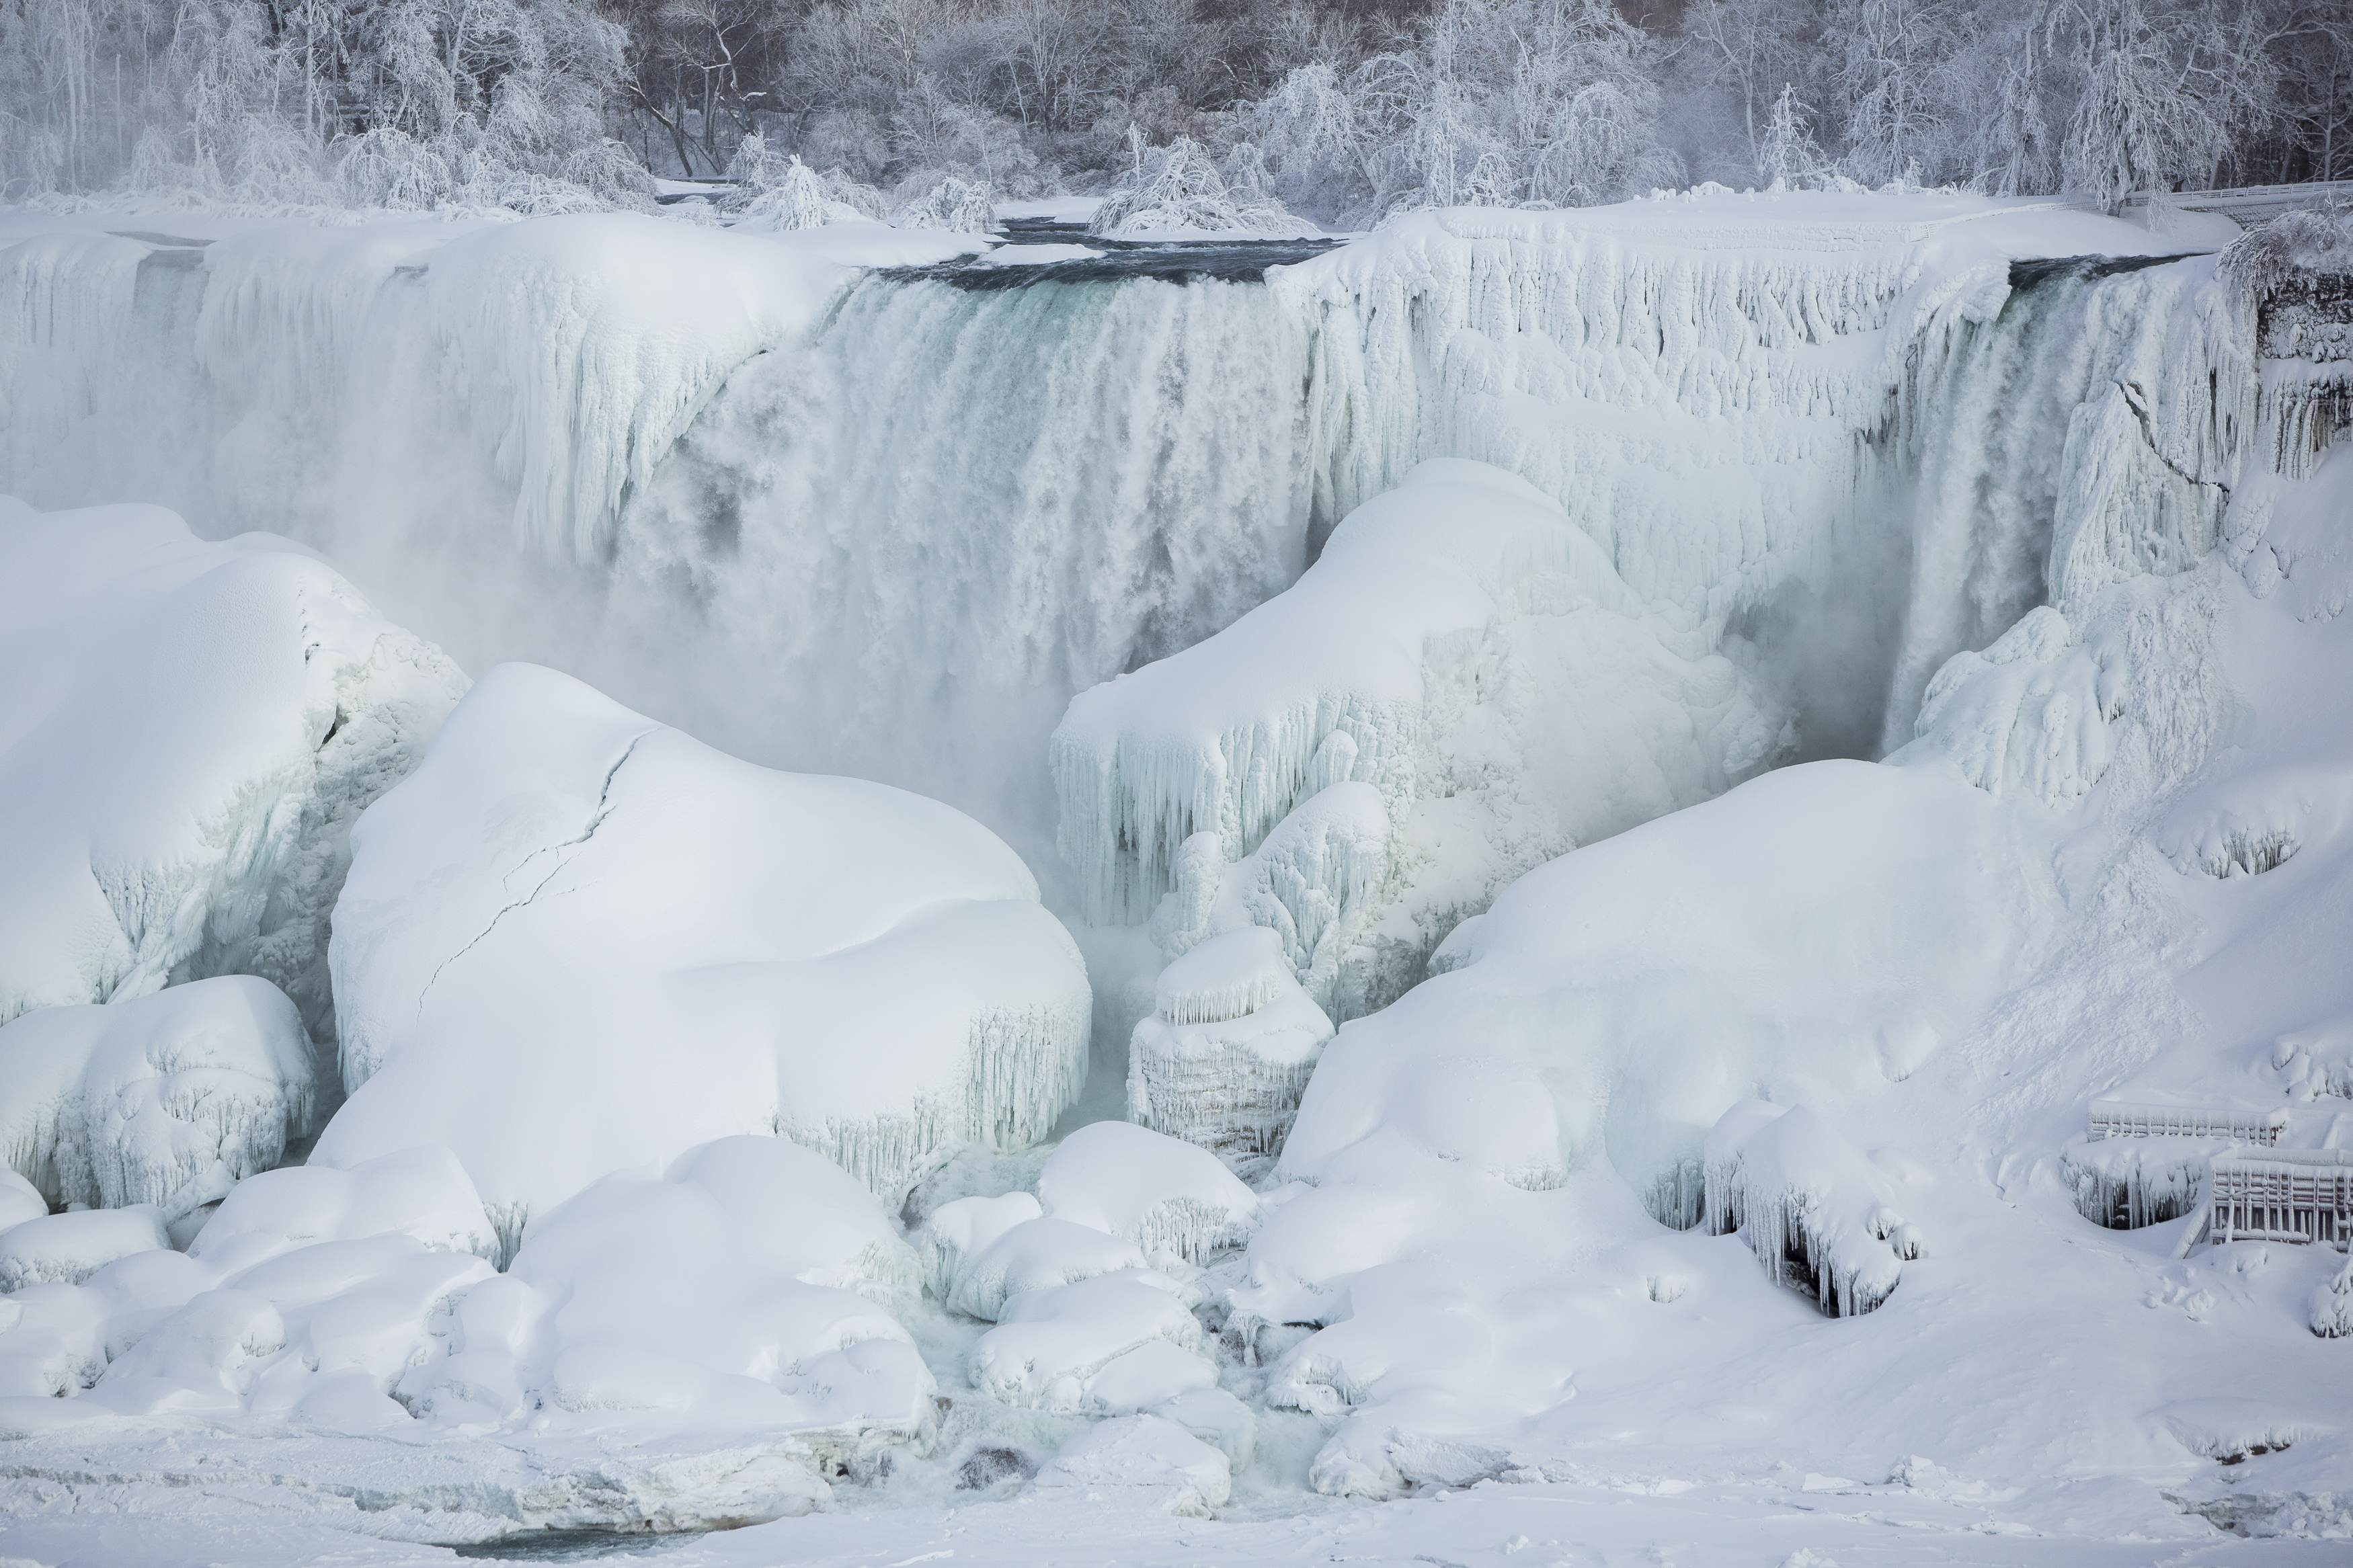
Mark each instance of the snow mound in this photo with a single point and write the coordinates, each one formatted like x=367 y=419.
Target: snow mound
x=1171 y=1199
x=1228 y=1049
x=1438 y=704
x=1049 y=1344
x=750 y=1285
x=576 y=940
x=1139 y=1462
x=1809 y=1205
x=187 y=730
x=422 y=1194
x=168 y=1099
x=19 y=1199
x=67 y=1249
x=1036 y=1255
x=964 y=1228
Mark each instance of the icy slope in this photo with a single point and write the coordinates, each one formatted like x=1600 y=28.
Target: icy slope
x=576 y=940
x=186 y=731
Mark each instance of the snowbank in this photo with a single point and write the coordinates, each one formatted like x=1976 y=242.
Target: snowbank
x=167 y=1100
x=186 y=731
x=576 y=940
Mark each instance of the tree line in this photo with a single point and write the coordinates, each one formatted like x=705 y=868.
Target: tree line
x=1343 y=111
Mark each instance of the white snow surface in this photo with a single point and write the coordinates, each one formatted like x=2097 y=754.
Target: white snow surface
x=186 y=731
x=575 y=940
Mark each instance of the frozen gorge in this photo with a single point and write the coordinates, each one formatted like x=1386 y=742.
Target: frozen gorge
x=1492 y=872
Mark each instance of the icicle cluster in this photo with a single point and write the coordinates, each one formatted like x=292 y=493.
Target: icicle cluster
x=1807 y=1204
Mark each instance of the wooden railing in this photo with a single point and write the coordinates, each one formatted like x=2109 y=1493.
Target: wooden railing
x=2123 y=1119
x=2303 y=1196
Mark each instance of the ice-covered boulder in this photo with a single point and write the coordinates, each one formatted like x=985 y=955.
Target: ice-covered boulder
x=1809 y=1205
x=187 y=730
x=748 y=1286
x=1231 y=1041
x=1461 y=687
x=964 y=1228
x=1036 y=1255
x=167 y=1099
x=422 y=1194
x=1050 y=1346
x=67 y=1249
x=1171 y=1199
x=1139 y=1461
x=576 y=940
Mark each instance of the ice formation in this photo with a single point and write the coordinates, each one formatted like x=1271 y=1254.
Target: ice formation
x=1053 y=1345
x=2127 y=1183
x=255 y=704
x=1228 y=1050
x=421 y=1193
x=67 y=1249
x=575 y=939
x=167 y=1099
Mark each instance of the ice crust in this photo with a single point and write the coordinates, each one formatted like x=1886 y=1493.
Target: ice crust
x=255 y=705
x=575 y=940
x=168 y=1099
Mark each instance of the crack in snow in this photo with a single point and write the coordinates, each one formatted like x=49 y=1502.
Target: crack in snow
x=595 y=820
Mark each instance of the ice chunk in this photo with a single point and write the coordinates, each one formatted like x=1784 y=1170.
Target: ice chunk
x=575 y=940
x=1139 y=1461
x=67 y=1249
x=166 y=1099
x=1038 y=1255
x=1049 y=1344
x=187 y=730
x=1228 y=1050
x=422 y=1193
x=1170 y=1199
x=1811 y=1209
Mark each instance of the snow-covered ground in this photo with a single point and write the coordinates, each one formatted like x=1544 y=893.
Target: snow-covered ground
x=1751 y=715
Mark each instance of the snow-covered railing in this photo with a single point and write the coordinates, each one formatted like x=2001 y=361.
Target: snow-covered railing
x=2124 y=1119
x=2300 y=1195
x=2245 y=204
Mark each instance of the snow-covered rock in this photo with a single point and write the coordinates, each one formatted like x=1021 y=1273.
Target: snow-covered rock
x=166 y=1099
x=421 y=1193
x=67 y=1249
x=1050 y=1345
x=187 y=730
x=575 y=940
x=1171 y=1199
x=1142 y=1462
x=1228 y=1050
x=19 y=1199
x=964 y=1228
x=1036 y=1255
